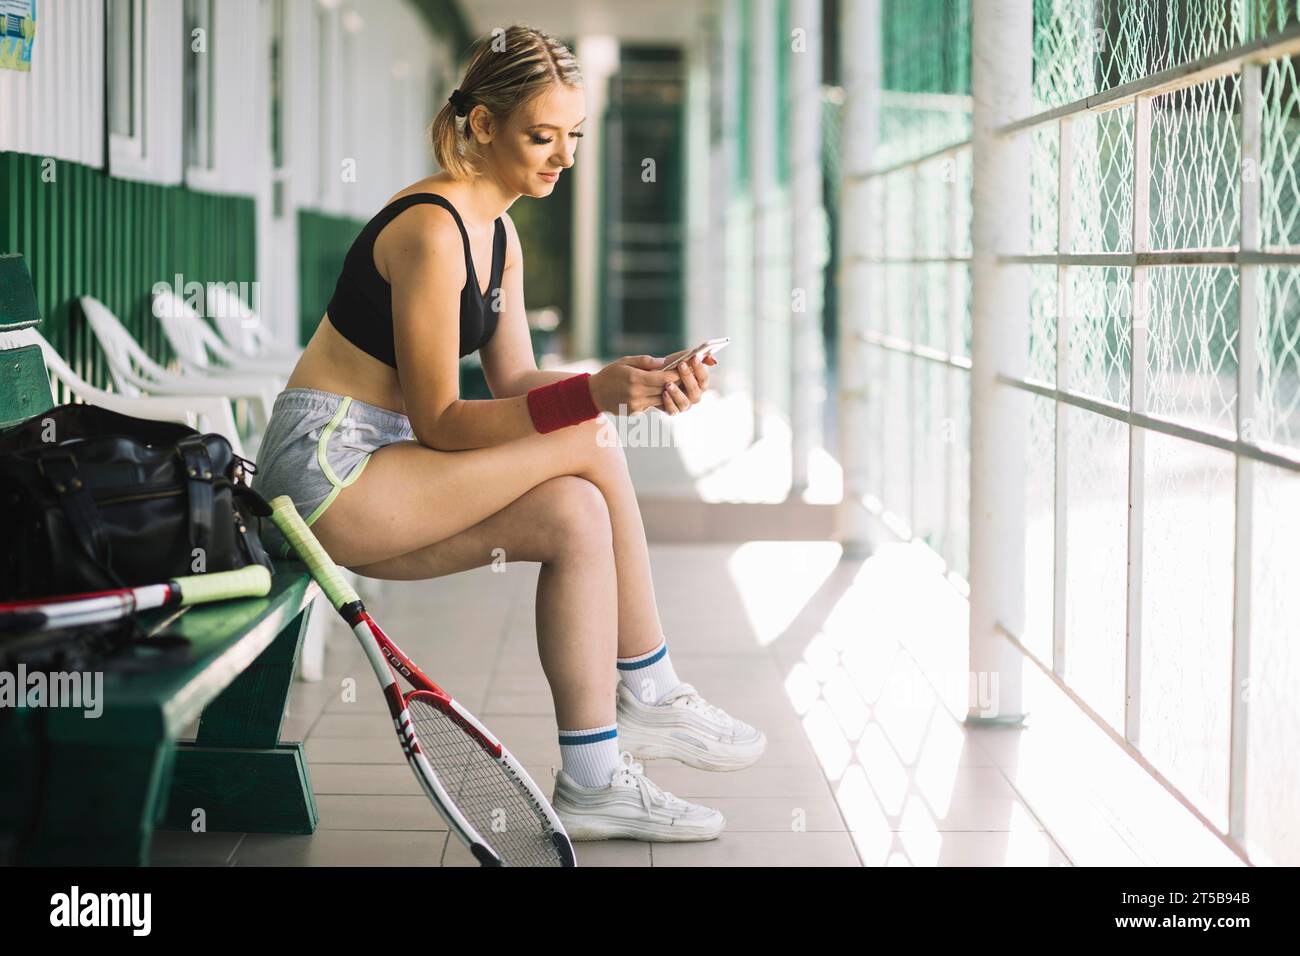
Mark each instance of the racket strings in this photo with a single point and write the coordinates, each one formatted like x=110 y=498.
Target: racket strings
x=496 y=803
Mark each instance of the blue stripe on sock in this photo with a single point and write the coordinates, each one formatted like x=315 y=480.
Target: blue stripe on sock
x=588 y=738
x=653 y=658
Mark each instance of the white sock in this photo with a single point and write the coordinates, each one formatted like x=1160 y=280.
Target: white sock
x=590 y=757
x=649 y=676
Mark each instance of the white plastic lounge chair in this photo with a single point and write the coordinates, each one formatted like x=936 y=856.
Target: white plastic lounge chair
x=201 y=350
x=245 y=332
x=135 y=373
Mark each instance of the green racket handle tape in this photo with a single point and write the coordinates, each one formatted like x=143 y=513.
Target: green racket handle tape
x=322 y=568
x=252 y=581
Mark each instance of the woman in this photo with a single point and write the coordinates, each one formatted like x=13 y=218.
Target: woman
x=401 y=479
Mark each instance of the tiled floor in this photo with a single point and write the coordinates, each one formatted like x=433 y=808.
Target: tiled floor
x=864 y=766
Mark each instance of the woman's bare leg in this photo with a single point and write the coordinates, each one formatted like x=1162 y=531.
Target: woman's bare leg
x=639 y=628
x=472 y=484
x=410 y=496
x=562 y=523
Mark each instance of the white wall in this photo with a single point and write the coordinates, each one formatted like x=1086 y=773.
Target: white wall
x=389 y=76
x=374 y=106
x=57 y=109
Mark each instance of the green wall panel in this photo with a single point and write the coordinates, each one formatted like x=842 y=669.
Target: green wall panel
x=83 y=232
x=323 y=242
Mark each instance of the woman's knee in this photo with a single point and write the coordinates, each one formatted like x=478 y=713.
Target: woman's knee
x=600 y=447
x=577 y=518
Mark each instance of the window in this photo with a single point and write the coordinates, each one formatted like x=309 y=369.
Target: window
x=199 y=87
x=278 y=82
x=325 y=119
x=126 y=77
x=143 y=85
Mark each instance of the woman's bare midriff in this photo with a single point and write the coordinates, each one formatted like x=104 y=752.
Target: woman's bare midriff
x=333 y=364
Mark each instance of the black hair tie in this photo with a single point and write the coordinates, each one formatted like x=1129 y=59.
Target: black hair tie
x=459 y=102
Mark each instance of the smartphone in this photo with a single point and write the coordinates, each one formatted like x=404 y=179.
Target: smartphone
x=711 y=347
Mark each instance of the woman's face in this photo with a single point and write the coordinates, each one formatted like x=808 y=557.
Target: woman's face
x=532 y=148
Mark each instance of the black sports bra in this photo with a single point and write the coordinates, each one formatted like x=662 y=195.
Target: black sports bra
x=361 y=308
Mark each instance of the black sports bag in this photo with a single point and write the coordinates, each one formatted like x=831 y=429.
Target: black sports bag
x=91 y=499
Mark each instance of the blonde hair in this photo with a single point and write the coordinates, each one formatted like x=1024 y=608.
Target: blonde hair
x=506 y=70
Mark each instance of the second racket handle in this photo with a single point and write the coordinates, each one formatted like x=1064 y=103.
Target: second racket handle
x=252 y=581
x=322 y=568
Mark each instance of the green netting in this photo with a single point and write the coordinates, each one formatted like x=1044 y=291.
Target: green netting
x=1191 y=358
x=1102 y=188
x=925 y=45
x=925 y=77
x=1101 y=313
x=1044 y=179
x=1278 y=340
x=1196 y=167
x=1083 y=47
x=1280 y=155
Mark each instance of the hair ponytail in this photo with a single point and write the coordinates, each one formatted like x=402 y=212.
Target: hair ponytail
x=506 y=70
x=443 y=134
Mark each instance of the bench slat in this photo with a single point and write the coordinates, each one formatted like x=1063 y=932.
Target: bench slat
x=226 y=638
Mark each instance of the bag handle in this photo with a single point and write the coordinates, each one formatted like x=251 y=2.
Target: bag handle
x=198 y=482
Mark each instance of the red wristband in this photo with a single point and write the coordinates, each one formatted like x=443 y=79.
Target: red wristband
x=566 y=402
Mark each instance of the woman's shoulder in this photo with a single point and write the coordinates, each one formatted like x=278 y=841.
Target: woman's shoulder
x=423 y=233
x=425 y=218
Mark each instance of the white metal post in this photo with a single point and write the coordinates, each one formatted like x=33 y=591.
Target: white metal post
x=762 y=176
x=1064 y=322
x=1001 y=68
x=807 y=238
x=599 y=56
x=913 y=321
x=697 y=220
x=954 y=386
x=1247 y=364
x=860 y=56
x=732 y=371
x=1138 y=325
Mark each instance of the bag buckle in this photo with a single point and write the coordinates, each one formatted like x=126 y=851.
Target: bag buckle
x=63 y=473
x=194 y=455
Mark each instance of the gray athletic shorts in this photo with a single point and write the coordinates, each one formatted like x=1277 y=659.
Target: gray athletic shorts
x=316 y=444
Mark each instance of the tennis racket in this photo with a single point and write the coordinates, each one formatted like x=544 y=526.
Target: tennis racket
x=91 y=607
x=479 y=788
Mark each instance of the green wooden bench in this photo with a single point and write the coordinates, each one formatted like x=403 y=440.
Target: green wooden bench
x=78 y=790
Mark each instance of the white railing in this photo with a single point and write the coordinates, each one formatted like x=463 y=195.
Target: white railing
x=1112 y=201
x=1242 y=65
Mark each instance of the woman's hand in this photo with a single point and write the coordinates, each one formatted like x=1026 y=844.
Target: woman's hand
x=692 y=381
x=631 y=384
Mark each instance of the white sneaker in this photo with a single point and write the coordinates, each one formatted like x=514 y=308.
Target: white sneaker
x=685 y=727
x=632 y=807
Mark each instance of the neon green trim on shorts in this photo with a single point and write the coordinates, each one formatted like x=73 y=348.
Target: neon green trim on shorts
x=322 y=459
x=321 y=446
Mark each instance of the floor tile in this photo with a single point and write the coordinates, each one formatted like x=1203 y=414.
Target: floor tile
x=186 y=848
x=371 y=812
x=761 y=849
x=343 y=848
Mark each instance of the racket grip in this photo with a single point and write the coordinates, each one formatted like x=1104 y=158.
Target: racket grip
x=322 y=568
x=252 y=581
